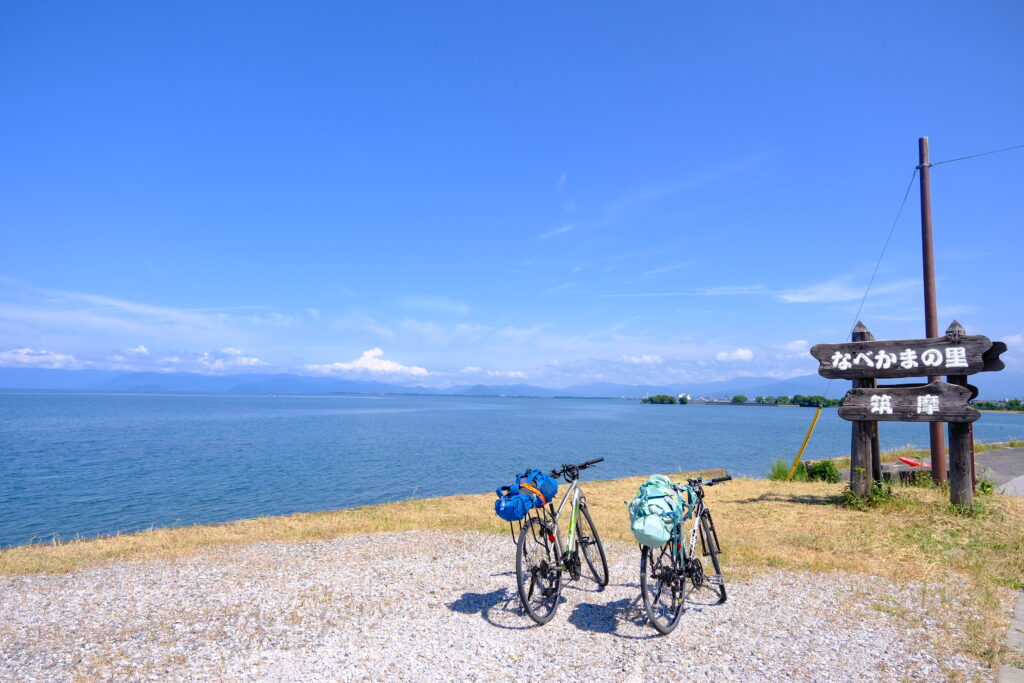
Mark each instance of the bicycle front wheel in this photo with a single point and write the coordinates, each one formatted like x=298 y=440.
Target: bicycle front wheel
x=709 y=544
x=662 y=585
x=591 y=548
x=537 y=574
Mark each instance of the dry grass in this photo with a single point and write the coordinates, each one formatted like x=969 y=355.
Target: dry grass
x=916 y=537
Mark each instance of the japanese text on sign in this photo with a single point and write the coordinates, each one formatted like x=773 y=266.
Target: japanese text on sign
x=954 y=357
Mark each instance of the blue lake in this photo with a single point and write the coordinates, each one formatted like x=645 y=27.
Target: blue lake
x=85 y=464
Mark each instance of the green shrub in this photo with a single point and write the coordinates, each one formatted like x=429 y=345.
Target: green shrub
x=780 y=471
x=823 y=470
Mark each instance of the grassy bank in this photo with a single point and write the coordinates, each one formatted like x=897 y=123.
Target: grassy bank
x=978 y=557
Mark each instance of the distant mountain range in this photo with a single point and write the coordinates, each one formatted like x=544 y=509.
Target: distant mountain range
x=991 y=385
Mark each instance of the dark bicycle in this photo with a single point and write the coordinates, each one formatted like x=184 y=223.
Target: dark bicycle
x=542 y=557
x=665 y=571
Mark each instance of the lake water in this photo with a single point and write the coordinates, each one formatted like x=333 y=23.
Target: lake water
x=84 y=464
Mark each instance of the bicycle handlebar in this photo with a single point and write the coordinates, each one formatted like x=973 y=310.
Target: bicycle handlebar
x=574 y=469
x=709 y=482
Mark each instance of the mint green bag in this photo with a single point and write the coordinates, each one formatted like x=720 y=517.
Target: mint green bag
x=655 y=509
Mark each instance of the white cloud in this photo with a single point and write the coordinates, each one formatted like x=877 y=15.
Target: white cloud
x=139 y=350
x=228 y=359
x=562 y=177
x=645 y=359
x=40 y=359
x=736 y=354
x=372 y=362
x=313 y=312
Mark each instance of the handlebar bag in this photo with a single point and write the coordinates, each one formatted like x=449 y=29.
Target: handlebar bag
x=539 y=484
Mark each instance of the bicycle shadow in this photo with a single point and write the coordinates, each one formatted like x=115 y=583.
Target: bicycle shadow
x=498 y=608
x=612 y=617
x=501 y=607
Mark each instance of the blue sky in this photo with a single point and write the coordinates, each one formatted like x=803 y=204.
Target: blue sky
x=448 y=193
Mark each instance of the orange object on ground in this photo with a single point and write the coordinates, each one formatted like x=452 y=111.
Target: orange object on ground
x=912 y=462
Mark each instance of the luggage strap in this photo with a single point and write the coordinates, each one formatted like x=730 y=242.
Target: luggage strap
x=534 y=490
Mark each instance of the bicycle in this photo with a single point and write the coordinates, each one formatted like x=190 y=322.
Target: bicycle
x=541 y=557
x=664 y=571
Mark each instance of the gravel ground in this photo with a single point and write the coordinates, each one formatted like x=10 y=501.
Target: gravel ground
x=421 y=605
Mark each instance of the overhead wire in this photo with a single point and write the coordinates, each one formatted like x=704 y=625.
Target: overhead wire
x=899 y=212
x=972 y=156
x=878 y=263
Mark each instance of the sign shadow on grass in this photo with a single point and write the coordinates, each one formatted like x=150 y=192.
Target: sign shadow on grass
x=805 y=499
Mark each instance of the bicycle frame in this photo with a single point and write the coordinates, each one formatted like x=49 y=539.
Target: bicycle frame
x=685 y=551
x=576 y=495
x=550 y=516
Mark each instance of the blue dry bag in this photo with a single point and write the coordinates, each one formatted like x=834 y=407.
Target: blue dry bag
x=537 y=483
x=512 y=505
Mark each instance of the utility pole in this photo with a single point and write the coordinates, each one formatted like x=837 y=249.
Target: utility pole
x=931 y=322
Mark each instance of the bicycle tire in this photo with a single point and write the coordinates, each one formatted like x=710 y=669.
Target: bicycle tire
x=662 y=585
x=709 y=542
x=538 y=578
x=587 y=540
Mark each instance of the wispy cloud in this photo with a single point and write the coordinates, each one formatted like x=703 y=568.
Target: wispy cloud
x=796 y=346
x=364 y=324
x=557 y=288
x=743 y=290
x=666 y=269
x=652 y=193
x=561 y=230
x=842 y=289
x=437 y=304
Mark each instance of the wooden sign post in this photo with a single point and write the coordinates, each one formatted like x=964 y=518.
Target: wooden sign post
x=864 y=360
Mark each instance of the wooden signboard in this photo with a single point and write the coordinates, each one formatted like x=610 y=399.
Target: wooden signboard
x=863 y=360
x=935 y=402
x=949 y=355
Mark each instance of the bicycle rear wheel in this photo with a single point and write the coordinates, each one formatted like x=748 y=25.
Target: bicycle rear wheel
x=538 y=577
x=662 y=585
x=591 y=548
x=709 y=544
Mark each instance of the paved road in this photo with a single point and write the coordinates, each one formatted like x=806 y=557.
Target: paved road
x=1005 y=467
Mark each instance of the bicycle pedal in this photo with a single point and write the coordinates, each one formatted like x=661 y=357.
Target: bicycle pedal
x=715 y=579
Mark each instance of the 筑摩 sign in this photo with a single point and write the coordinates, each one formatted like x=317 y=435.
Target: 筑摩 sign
x=933 y=402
